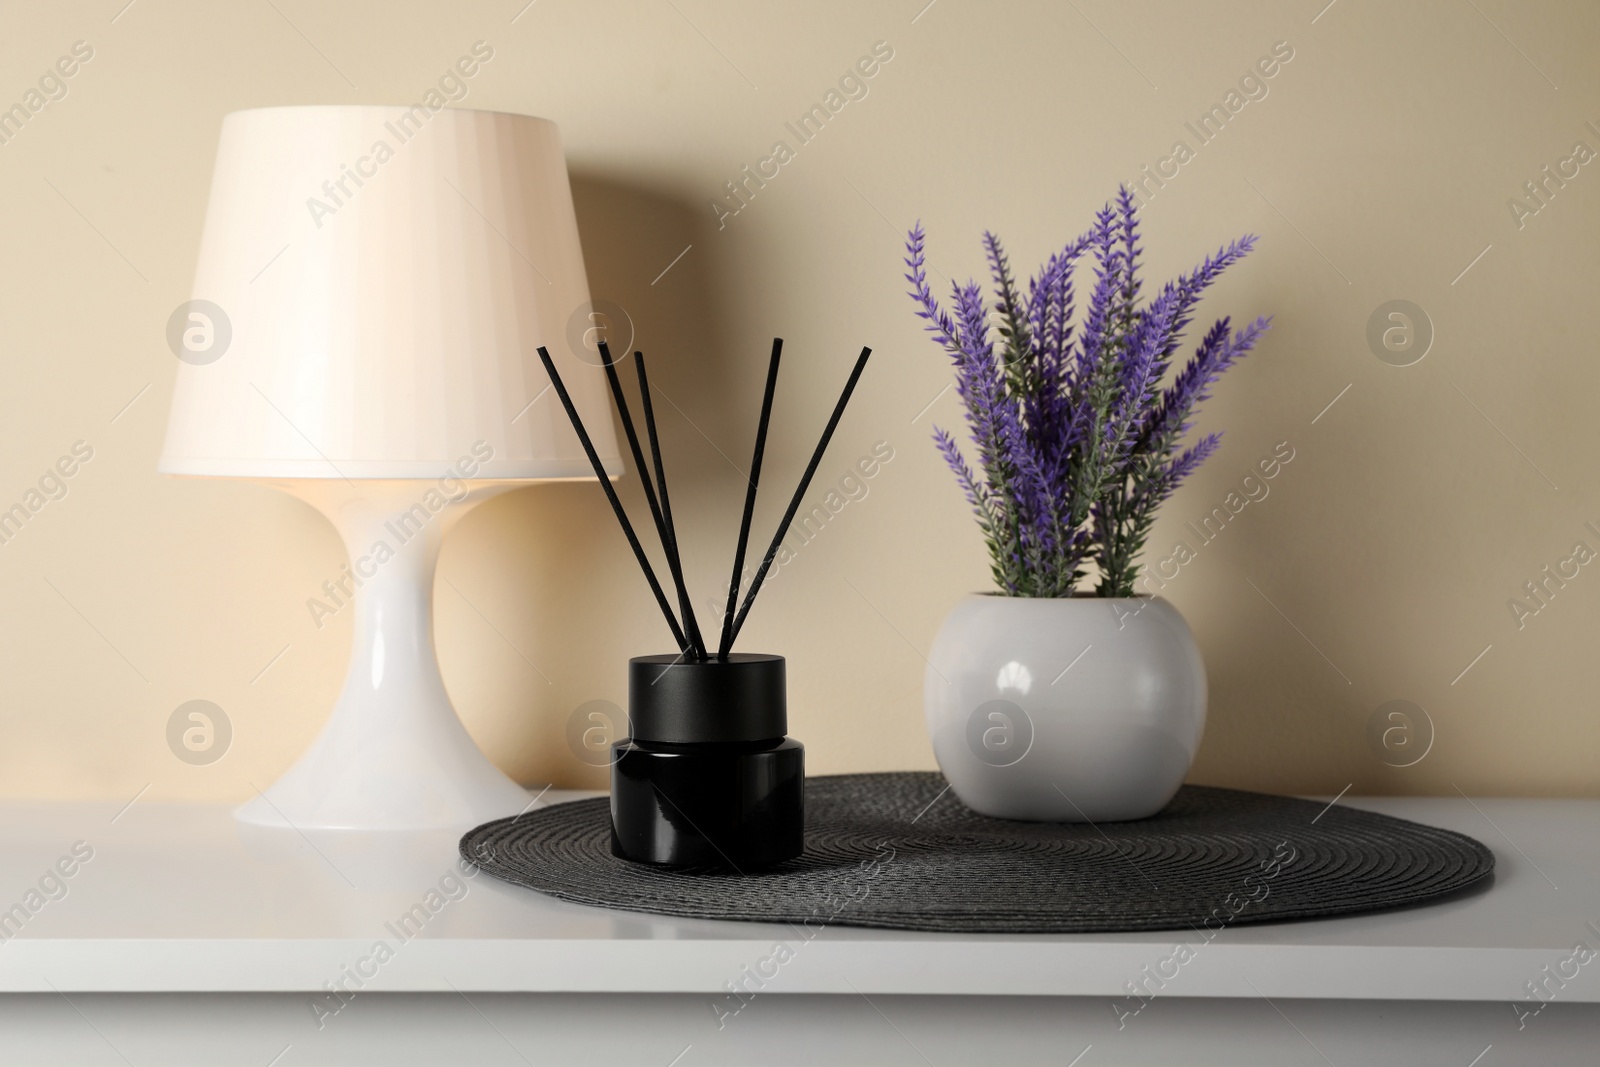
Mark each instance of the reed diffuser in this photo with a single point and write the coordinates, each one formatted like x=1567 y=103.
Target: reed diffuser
x=707 y=775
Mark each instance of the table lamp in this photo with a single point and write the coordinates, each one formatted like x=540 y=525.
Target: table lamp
x=373 y=284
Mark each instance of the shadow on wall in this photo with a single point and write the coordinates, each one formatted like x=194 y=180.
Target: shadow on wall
x=569 y=593
x=646 y=254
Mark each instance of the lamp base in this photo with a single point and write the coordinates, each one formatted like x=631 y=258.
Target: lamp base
x=428 y=774
x=394 y=755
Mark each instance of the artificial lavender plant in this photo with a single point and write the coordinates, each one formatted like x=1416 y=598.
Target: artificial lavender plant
x=1075 y=428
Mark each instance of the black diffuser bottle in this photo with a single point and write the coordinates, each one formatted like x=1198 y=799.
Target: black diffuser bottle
x=706 y=777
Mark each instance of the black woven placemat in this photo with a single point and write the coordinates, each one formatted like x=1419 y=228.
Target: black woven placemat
x=900 y=851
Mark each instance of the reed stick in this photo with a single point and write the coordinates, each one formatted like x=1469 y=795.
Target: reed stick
x=639 y=464
x=726 y=643
x=805 y=482
x=669 y=534
x=611 y=495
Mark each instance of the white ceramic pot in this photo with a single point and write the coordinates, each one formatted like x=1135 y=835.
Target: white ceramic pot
x=1072 y=709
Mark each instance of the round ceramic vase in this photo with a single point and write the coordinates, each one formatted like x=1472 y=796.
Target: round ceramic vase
x=1071 y=709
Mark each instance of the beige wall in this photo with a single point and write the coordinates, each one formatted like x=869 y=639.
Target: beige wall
x=1377 y=167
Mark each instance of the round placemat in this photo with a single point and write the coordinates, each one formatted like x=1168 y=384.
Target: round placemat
x=900 y=851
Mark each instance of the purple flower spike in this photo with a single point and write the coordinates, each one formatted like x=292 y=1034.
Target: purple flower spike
x=1077 y=432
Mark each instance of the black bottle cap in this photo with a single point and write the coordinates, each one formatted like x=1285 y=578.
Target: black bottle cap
x=678 y=701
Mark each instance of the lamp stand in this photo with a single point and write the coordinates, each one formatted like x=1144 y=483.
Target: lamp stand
x=394 y=755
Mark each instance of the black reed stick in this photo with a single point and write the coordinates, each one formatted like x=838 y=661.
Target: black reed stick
x=633 y=438
x=611 y=495
x=669 y=535
x=800 y=491
x=663 y=529
x=750 y=500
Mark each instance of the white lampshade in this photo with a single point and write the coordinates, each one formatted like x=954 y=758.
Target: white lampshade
x=386 y=274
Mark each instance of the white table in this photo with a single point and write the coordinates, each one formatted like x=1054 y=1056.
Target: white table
x=188 y=939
